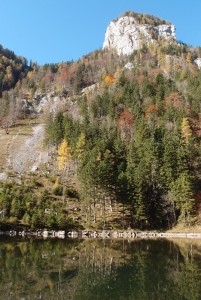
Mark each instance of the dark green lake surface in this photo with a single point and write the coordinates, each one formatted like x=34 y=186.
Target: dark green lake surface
x=100 y=269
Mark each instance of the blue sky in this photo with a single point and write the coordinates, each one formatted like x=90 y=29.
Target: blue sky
x=50 y=31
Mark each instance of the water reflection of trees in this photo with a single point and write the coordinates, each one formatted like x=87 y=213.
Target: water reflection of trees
x=99 y=269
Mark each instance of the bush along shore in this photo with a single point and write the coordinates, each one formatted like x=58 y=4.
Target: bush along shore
x=98 y=234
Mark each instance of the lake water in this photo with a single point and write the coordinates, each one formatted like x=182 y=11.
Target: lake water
x=100 y=269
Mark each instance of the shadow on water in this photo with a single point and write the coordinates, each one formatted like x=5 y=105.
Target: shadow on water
x=100 y=269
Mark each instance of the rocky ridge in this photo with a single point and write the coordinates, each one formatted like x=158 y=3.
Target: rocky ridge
x=126 y=34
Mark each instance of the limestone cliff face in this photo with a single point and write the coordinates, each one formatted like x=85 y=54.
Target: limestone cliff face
x=126 y=34
x=198 y=62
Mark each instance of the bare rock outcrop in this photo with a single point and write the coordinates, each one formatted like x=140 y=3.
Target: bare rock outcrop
x=127 y=34
x=197 y=61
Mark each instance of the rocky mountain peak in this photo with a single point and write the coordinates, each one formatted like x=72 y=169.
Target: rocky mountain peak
x=131 y=31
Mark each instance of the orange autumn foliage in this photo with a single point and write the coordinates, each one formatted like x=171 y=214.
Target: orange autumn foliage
x=196 y=126
x=173 y=99
x=151 y=109
x=109 y=79
x=140 y=79
x=125 y=120
x=125 y=124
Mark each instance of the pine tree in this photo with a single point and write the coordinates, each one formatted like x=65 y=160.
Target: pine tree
x=182 y=195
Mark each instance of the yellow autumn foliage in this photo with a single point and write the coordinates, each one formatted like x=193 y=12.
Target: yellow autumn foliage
x=186 y=131
x=80 y=147
x=64 y=154
x=188 y=57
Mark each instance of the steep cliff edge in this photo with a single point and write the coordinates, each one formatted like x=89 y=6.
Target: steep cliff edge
x=127 y=34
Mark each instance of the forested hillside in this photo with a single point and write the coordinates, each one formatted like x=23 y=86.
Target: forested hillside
x=13 y=68
x=128 y=128
x=138 y=141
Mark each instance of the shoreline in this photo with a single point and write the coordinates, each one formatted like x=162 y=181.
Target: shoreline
x=103 y=234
